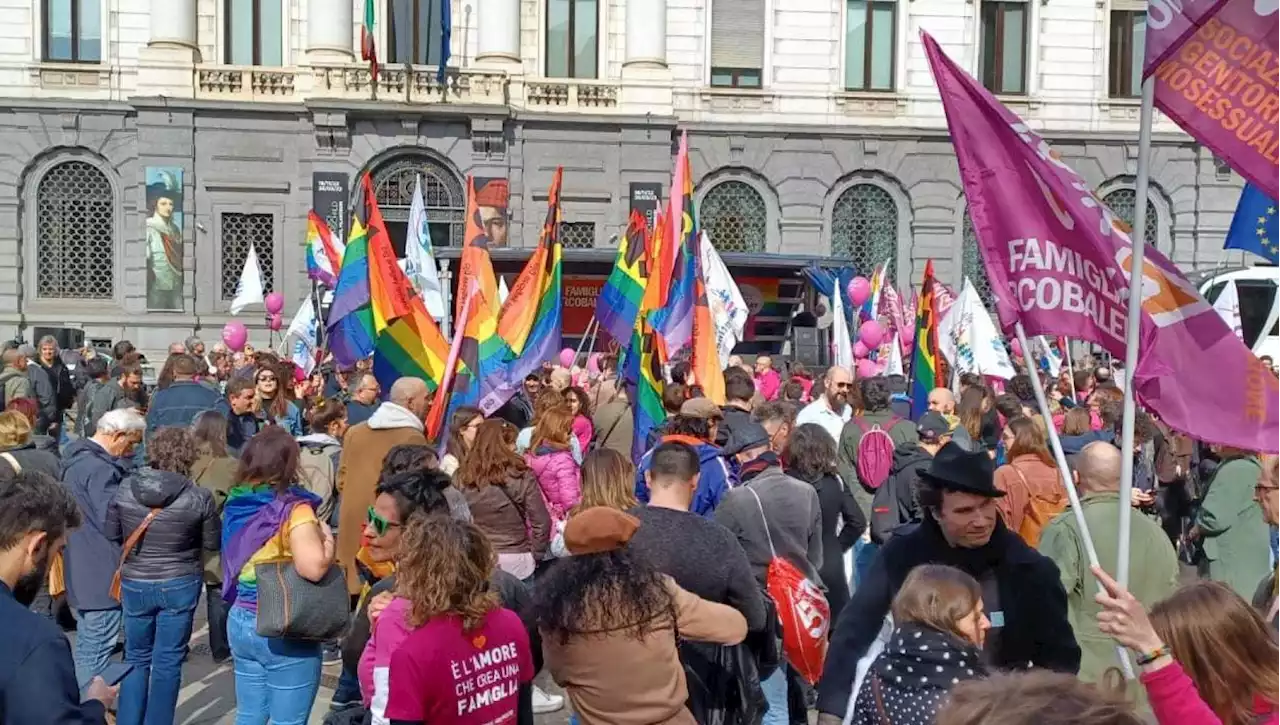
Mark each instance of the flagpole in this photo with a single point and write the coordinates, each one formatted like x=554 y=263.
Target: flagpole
x=1136 y=262
x=1060 y=459
x=1071 y=369
x=592 y=324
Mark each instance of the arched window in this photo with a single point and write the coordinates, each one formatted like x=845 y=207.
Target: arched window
x=442 y=193
x=1123 y=203
x=972 y=267
x=75 y=233
x=864 y=228
x=735 y=217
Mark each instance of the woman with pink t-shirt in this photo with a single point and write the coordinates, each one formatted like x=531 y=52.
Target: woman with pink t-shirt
x=444 y=650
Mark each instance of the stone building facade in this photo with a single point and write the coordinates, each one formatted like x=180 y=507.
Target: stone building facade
x=814 y=128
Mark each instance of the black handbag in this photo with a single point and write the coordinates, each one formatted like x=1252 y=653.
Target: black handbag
x=293 y=607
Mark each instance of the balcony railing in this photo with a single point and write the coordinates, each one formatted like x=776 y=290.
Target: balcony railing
x=571 y=95
x=246 y=83
x=410 y=84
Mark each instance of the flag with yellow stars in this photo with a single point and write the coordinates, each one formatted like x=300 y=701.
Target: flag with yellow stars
x=1256 y=226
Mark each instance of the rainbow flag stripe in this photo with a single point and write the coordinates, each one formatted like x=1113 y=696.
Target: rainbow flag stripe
x=924 y=360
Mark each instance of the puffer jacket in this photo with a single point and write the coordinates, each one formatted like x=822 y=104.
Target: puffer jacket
x=559 y=478
x=31 y=457
x=187 y=524
x=512 y=514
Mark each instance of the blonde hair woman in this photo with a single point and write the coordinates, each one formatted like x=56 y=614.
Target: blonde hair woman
x=18 y=447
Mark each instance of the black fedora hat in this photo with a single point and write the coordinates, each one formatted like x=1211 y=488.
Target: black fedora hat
x=955 y=469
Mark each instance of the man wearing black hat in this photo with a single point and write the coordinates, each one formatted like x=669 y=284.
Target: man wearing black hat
x=1021 y=590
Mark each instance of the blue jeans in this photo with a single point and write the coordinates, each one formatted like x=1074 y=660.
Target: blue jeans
x=775 y=693
x=97 y=631
x=157 y=627
x=863 y=553
x=276 y=679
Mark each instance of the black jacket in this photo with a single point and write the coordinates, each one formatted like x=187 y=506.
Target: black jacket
x=33 y=458
x=1036 y=630
x=37 y=677
x=837 y=505
x=46 y=396
x=64 y=388
x=735 y=419
x=894 y=503
x=187 y=524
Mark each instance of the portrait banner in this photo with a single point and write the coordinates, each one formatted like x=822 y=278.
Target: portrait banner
x=164 y=238
x=493 y=200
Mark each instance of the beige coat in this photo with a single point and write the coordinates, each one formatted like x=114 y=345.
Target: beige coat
x=616 y=679
x=363 y=449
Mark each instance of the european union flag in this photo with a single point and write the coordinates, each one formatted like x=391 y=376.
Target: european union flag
x=1255 y=227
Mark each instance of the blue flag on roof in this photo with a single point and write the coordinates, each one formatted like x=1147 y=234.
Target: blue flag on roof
x=1255 y=226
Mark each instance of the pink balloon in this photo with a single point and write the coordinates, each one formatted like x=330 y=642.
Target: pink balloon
x=593 y=363
x=274 y=303
x=235 y=335
x=275 y=322
x=871 y=333
x=859 y=291
x=866 y=368
x=860 y=351
x=566 y=357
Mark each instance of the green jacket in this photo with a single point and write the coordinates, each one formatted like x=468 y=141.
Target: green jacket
x=14 y=384
x=903 y=431
x=1234 y=533
x=1153 y=570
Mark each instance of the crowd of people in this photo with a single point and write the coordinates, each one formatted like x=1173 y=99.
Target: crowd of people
x=321 y=526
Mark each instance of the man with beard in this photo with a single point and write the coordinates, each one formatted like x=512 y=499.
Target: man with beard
x=831 y=411
x=37 y=679
x=960 y=527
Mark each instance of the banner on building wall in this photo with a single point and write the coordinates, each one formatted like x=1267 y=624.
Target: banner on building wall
x=580 y=293
x=331 y=197
x=646 y=197
x=164 y=238
x=493 y=196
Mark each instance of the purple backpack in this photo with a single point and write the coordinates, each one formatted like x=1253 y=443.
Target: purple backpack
x=875 y=452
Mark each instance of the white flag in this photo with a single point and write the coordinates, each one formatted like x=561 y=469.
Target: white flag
x=249 y=290
x=503 y=292
x=894 y=364
x=841 y=343
x=728 y=309
x=300 y=339
x=420 y=262
x=1227 y=305
x=968 y=339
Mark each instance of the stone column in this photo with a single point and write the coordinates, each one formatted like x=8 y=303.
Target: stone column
x=173 y=23
x=167 y=63
x=331 y=30
x=646 y=33
x=498 y=31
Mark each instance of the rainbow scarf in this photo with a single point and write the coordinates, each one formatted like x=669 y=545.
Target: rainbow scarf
x=250 y=517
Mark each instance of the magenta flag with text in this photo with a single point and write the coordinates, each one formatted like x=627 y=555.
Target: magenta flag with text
x=1059 y=262
x=1214 y=63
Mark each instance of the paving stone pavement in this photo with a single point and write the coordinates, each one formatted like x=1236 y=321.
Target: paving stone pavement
x=208 y=690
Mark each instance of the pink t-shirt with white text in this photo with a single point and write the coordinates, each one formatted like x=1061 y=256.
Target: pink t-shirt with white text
x=440 y=674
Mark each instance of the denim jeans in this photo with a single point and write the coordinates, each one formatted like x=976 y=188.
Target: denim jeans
x=276 y=679
x=863 y=553
x=216 y=613
x=157 y=628
x=97 y=631
x=775 y=693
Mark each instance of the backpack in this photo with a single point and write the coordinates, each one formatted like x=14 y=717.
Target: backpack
x=318 y=473
x=887 y=512
x=875 y=452
x=5 y=377
x=1038 y=514
x=1173 y=462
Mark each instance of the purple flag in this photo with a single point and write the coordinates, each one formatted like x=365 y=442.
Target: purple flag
x=1061 y=262
x=1214 y=63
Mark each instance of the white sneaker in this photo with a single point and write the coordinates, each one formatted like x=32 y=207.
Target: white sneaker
x=544 y=703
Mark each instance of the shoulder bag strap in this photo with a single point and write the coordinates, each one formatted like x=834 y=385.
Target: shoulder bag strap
x=875 y=690
x=772 y=552
x=8 y=458
x=1020 y=475
x=129 y=544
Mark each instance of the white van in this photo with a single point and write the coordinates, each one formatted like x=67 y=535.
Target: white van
x=1259 y=303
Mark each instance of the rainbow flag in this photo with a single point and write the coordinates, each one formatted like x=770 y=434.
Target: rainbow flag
x=674 y=320
x=645 y=384
x=324 y=253
x=530 y=319
x=619 y=300
x=409 y=344
x=440 y=403
x=924 y=360
x=350 y=328
x=475 y=263
x=870 y=307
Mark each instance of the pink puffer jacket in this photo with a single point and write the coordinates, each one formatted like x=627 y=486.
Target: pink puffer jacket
x=560 y=479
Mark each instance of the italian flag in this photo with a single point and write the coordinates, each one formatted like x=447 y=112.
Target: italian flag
x=368 y=46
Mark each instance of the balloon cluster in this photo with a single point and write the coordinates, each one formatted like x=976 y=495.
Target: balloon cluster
x=235 y=335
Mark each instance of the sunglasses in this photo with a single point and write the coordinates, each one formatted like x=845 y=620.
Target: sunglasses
x=380 y=525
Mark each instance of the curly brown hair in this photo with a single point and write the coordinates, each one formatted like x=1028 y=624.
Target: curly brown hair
x=492 y=459
x=172 y=450
x=584 y=401
x=444 y=568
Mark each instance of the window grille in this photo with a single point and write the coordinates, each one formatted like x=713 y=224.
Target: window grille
x=239 y=231
x=864 y=228
x=578 y=235
x=735 y=217
x=75 y=233
x=1124 y=202
x=973 y=269
x=445 y=199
